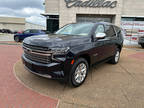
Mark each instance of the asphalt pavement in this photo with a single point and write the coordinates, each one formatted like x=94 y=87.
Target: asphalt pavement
x=107 y=85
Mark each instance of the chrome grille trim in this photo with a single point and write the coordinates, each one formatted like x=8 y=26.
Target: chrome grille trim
x=38 y=52
x=37 y=55
x=38 y=58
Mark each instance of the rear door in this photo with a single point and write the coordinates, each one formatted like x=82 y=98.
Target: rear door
x=110 y=40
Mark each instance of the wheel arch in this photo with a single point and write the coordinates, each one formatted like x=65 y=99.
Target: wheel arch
x=86 y=57
x=119 y=46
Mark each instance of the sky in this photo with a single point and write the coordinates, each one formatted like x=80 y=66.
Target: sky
x=29 y=9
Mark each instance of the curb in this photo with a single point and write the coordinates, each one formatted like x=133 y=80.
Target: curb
x=3 y=43
x=32 y=88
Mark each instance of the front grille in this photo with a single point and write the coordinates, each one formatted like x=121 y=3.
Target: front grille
x=35 y=47
x=37 y=54
x=37 y=57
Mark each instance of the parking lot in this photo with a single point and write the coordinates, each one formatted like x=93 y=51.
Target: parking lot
x=45 y=40
x=107 y=86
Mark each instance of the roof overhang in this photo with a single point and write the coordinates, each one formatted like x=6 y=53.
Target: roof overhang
x=132 y=16
x=47 y=14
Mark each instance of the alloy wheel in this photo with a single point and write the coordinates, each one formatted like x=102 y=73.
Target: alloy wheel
x=80 y=73
x=117 y=56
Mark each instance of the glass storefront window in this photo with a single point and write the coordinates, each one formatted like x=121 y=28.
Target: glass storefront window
x=132 y=18
x=128 y=19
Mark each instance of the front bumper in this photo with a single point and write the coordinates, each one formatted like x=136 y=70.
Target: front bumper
x=52 y=70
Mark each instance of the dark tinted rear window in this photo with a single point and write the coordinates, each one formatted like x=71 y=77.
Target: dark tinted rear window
x=117 y=29
x=34 y=31
x=109 y=30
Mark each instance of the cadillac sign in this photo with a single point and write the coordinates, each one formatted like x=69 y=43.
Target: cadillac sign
x=91 y=3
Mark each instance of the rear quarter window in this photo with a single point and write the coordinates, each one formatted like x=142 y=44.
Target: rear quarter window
x=34 y=31
x=118 y=30
x=109 y=30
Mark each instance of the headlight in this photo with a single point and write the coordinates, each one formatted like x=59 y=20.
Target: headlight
x=57 y=51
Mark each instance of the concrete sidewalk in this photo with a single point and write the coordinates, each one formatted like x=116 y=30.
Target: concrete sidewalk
x=6 y=37
x=107 y=86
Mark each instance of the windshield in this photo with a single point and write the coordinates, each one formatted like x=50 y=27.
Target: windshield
x=82 y=29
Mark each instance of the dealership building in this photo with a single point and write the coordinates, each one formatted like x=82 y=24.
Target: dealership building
x=61 y=12
x=18 y=24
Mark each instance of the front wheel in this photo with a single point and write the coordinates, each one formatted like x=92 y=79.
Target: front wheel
x=78 y=73
x=116 y=57
x=16 y=38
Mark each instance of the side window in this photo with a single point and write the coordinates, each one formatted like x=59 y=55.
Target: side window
x=66 y=30
x=100 y=29
x=118 y=30
x=27 y=31
x=109 y=30
x=34 y=31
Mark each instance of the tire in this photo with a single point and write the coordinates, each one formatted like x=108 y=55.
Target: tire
x=76 y=77
x=142 y=45
x=16 y=38
x=116 y=57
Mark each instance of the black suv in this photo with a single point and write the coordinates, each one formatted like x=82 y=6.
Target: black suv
x=71 y=51
x=141 y=41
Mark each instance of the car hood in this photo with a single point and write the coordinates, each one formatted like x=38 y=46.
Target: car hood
x=52 y=41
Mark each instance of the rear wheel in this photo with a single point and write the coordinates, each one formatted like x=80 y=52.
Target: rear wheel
x=16 y=38
x=78 y=73
x=116 y=57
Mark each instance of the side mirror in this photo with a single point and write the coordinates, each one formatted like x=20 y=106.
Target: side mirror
x=100 y=35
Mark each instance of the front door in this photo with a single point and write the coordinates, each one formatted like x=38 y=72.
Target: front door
x=99 y=51
x=104 y=48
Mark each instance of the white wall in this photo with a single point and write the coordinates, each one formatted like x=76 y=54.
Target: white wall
x=133 y=7
x=52 y=6
x=34 y=26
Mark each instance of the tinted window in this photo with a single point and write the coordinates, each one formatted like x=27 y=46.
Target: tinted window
x=27 y=31
x=82 y=29
x=109 y=30
x=100 y=29
x=119 y=31
x=34 y=31
x=132 y=19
